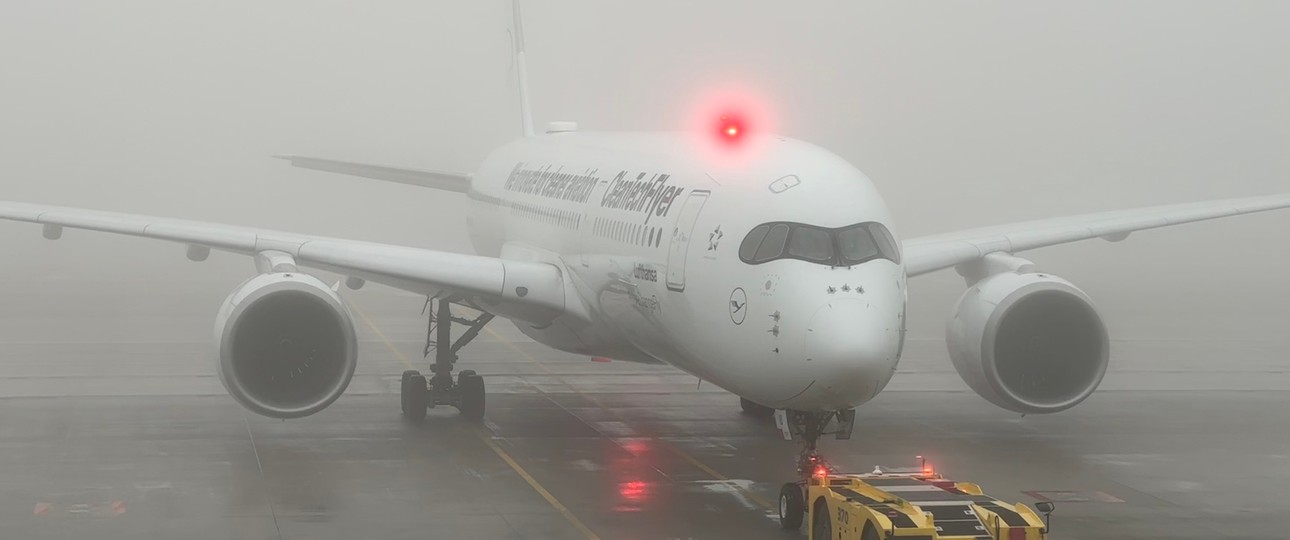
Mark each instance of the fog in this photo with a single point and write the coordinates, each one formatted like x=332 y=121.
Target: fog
x=963 y=115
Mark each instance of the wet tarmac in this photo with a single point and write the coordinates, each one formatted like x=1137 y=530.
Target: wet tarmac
x=113 y=426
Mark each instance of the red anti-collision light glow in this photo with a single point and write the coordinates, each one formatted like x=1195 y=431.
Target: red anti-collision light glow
x=730 y=124
x=732 y=130
x=729 y=129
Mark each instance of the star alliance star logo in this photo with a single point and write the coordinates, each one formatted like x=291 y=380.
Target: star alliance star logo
x=714 y=238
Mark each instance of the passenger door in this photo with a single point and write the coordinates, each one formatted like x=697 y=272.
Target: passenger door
x=681 y=234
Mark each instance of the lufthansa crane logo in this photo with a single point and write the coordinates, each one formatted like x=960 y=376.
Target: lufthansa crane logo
x=738 y=305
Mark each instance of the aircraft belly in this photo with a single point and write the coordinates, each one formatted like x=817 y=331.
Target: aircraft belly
x=626 y=312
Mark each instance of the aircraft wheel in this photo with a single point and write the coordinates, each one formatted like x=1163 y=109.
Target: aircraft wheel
x=403 y=389
x=791 y=507
x=756 y=410
x=416 y=398
x=471 y=388
x=821 y=522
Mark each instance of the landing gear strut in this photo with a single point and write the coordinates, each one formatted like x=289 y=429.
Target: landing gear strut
x=466 y=393
x=755 y=410
x=807 y=427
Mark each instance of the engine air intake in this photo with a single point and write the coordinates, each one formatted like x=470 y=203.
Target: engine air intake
x=1030 y=343
x=287 y=346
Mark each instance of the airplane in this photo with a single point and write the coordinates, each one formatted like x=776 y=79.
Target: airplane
x=762 y=264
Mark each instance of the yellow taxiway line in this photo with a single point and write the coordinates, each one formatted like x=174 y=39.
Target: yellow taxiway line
x=555 y=503
x=483 y=436
x=671 y=446
x=397 y=353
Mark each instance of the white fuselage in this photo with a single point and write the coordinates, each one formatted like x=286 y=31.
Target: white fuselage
x=648 y=227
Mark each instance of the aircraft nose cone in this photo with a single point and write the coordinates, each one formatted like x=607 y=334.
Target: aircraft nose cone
x=851 y=348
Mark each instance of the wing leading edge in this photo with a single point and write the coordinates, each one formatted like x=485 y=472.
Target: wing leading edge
x=447 y=181
x=931 y=253
x=527 y=290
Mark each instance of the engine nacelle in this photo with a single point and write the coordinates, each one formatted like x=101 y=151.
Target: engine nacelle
x=286 y=345
x=1029 y=342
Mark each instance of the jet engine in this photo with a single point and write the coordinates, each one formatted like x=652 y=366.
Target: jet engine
x=286 y=345
x=1028 y=342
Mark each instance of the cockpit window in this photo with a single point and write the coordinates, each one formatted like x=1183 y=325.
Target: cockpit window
x=886 y=242
x=856 y=244
x=842 y=246
x=772 y=247
x=749 y=248
x=812 y=244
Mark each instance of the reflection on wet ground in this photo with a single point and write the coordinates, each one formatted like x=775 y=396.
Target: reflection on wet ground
x=109 y=435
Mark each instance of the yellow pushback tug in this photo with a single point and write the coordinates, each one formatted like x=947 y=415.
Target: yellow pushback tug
x=918 y=505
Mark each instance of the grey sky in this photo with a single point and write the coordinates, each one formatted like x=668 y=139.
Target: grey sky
x=963 y=113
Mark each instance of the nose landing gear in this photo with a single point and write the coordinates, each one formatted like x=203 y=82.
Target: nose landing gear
x=807 y=427
x=466 y=393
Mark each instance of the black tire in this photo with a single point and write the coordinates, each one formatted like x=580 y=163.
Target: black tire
x=756 y=410
x=791 y=506
x=870 y=532
x=418 y=397
x=821 y=522
x=403 y=389
x=471 y=389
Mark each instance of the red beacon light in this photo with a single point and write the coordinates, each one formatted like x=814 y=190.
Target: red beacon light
x=729 y=129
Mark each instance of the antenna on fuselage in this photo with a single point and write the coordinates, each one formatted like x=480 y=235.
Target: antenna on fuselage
x=526 y=112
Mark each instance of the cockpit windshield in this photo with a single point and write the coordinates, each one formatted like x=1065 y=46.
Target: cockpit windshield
x=843 y=246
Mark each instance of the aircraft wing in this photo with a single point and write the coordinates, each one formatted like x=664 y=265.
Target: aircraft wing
x=931 y=253
x=448 y=181
x=523 y=287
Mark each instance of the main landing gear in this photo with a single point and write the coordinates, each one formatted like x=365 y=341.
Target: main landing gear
x=466 y=393
x=807 y=427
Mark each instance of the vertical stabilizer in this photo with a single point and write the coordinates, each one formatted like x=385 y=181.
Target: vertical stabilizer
x=526 y=112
